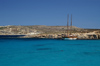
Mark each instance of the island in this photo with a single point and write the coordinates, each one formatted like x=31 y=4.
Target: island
x=42 y=31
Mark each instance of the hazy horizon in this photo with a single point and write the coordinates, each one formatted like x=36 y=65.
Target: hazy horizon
x=47 y=25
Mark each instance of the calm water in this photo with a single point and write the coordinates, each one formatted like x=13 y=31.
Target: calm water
x=45 y=52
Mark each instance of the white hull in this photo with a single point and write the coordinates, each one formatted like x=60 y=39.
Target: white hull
x=69 y=38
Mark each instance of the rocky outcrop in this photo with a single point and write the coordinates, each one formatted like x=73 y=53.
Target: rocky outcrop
x=4 y=30
x=59 y=36
x=49 y=32
x=99 y=36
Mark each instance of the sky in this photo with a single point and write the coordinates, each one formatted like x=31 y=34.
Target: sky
x=85 y=13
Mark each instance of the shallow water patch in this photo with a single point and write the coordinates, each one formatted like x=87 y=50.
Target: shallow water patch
x=44 y=49
x=40 y=45
x=75 y=44
x=43 y=44
x=92 y=53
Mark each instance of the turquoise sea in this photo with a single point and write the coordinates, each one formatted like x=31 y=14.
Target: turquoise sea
x=49 y=52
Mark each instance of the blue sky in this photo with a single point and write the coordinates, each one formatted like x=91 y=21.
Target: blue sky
x=85 y=13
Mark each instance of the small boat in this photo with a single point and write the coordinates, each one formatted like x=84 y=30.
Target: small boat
x=69 y=37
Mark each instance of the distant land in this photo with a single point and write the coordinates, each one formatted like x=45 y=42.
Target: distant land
x=42 y=31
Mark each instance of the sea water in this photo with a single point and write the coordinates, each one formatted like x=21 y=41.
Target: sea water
x=49 y=52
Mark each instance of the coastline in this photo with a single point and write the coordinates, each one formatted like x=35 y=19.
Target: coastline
x=83 y=36
x=48 y=32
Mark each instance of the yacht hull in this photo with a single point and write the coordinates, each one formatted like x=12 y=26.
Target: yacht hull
x=70 y=38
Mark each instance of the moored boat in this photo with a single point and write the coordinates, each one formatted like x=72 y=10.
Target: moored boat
x=69 y=37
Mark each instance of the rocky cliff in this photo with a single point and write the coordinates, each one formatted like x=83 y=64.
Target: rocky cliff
x=42 y=31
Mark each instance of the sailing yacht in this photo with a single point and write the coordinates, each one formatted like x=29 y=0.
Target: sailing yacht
x=69 y=36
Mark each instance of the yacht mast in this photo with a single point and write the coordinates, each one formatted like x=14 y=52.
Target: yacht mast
x=71 y=25
x=67 y=24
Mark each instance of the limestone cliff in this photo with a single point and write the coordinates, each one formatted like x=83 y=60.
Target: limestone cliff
x=42 y=31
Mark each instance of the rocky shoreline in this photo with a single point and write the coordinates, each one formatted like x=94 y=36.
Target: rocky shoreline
x=50 y=32
x=59 y=36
